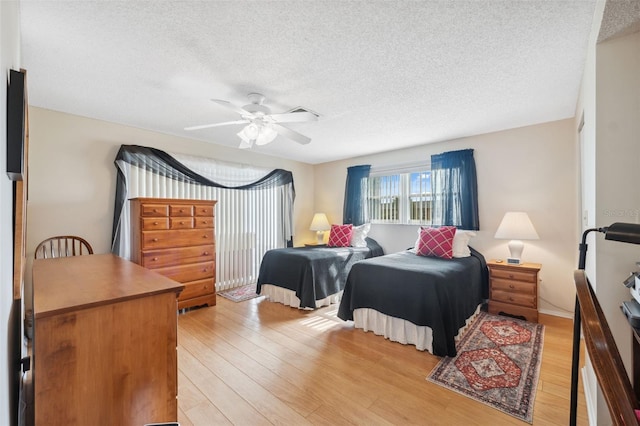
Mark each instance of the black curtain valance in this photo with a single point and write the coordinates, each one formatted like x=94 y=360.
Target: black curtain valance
x=161 y=163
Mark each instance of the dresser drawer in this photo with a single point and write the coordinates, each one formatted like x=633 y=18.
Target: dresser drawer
x=513 y=286
x=168 y=257
x=155 y=210
x=181 y=222
x=203 y=222
x=526 y=300
x=190 y=272
x=197 y=288
x=203 y=210
x=155 y=223
x=529 y=276
x=180 y=210
x=176 y=238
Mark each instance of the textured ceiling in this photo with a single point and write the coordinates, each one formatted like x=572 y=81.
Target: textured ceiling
x=620 y=17
x=382 y=74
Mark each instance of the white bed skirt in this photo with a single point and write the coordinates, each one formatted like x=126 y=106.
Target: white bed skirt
x=289 y=298
x=400 y=330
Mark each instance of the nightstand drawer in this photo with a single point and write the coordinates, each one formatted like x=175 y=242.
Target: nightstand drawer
x=525 y=300
x=513 y=286
x=528 y=276
x=498 y=308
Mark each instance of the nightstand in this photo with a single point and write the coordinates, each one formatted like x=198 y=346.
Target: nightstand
x=513 y=289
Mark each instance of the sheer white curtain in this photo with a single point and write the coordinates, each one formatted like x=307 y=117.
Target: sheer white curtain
x=247 y=222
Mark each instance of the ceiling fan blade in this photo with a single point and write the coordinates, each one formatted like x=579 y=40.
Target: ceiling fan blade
x=290 y=134
x=294 y=117
x=231 y=106
x=207 y=126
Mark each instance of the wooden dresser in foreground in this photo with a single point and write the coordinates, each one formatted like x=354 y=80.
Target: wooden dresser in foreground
x=104 y=343
x=176 y=238
x=513 y=289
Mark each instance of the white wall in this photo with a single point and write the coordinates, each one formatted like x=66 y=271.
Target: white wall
x=617 y=159
x=532 y=169
x=72 y=176
x=10 y=58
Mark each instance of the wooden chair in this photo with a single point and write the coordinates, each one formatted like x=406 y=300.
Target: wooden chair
x=62 y=246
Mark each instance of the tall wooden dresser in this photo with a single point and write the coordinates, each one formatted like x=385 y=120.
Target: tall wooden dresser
x=176 y=238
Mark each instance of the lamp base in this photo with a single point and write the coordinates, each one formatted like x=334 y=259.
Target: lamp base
x=320 y=237
x=515 y=250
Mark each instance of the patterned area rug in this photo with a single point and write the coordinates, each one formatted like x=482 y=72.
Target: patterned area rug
x=240 y=294
x=498 y=364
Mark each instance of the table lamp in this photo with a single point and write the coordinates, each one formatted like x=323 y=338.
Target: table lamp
x=516 y=226
x=320 y=224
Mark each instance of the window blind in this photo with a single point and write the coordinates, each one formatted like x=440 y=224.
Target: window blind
x=248 y=222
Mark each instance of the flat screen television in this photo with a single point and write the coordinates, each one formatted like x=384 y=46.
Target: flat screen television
x=16 y=112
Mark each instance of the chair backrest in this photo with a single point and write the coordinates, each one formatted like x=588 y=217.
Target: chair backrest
x=62 y=246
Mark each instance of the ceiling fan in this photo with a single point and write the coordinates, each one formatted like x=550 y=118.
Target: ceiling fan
x=262 y=126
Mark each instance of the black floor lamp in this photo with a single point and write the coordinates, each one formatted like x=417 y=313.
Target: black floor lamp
x=623 y=232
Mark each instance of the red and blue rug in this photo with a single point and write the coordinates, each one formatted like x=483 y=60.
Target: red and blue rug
x=498 y=364
x=239 y=294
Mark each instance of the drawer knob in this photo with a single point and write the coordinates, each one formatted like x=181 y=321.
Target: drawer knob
x=181 y=223
x=206 y=253
x=181 y=210
x=512 y=286
x=155 y=223
x=154 y=259
x=205 y=236
x=511 y=299
x=155 y=240
x=155 y=210
x=511 y=276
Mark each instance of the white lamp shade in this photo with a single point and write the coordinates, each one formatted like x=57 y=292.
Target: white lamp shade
x=516 y=226
x=320 y=223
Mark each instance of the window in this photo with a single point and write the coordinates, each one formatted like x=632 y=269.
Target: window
x=402 y=198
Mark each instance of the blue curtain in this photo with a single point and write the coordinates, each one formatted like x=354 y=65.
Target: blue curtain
x=454 y=190
x=355 y=196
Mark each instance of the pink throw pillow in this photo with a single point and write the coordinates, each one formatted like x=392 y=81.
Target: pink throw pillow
x=340 y=235
x=436 y=242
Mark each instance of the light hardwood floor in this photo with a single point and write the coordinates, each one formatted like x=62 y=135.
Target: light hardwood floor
x=257 y=362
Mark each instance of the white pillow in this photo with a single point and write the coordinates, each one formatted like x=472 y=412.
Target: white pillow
x=359 y=235
x=460 y=243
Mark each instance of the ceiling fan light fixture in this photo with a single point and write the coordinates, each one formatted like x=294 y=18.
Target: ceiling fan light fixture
x=246 y=144
x=262 y=126
x=267 y=134
x=250 y=131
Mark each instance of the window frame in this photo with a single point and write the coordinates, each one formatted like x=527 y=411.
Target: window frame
x=403 y=196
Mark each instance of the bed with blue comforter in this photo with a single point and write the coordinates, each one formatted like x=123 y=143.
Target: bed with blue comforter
x=433 y=294
x=310 y=274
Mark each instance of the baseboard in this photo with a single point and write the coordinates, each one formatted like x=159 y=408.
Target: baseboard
x=563 y=314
